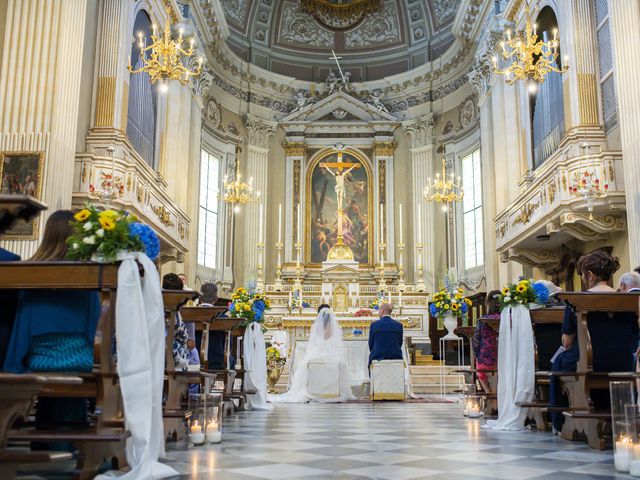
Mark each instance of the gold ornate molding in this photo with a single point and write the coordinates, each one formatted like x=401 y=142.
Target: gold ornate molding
x=294 y=149
x=163 y=215
x=384 y=149
x=525 y=213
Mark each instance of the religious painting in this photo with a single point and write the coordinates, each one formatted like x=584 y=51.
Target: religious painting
x=21 y=174
x=325 y=185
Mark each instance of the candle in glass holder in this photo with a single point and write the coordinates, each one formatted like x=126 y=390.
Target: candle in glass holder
x=474 y=411
x=623 y=450
x=195 y=434
x=213 y=434
x=634 y=462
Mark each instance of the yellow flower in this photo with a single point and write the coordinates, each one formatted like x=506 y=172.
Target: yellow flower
x=110 y=214
x=439 y=304
x=505 y=291
x=107 y=223
x=446 y=306
x=468 y=301
x=455 y=307
x=82 y=215
x=521 y=288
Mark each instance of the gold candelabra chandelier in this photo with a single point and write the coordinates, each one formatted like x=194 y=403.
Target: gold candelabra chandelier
x=531 y=59
x=165 y=58
x=444 y=189
x=237 y=192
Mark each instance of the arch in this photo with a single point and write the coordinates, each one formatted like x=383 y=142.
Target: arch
x=547 y=104
x=320 y=220
x=143 y=98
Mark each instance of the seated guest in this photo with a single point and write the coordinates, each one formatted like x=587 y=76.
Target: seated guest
x=596 y=269
x=217 y=340
x=194 y=359
x=485 y=340
x=385 y=336
x=630 y=282
x=171 y=281
x=191 y=327
x=54 y=332
x=9 y=302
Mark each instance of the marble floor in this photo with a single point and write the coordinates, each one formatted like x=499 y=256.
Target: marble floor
x=383 y=441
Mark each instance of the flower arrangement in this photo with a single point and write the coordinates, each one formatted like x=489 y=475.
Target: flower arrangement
x=249 y=305
x=295 y=303
x=376 y=302
x=272 y=354
x=525 y=292
x=357 y=332
x=103 y=234
x=450 y=302
x=363 y=312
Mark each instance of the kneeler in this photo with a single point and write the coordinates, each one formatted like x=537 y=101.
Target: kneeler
x=387 y=380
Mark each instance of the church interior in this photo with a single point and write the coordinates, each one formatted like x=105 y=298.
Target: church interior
x=209 y=208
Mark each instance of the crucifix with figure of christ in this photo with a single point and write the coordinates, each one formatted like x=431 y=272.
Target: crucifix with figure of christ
x=340 y=172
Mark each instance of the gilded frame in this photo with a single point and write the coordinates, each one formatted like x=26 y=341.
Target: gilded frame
x=317 y=158
x=32 y=234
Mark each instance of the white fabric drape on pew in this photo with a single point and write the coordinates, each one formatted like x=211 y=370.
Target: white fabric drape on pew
x=255 y=365
x=140 y=337
x=516 y=368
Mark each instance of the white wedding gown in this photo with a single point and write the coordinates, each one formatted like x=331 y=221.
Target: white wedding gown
x=324 y=344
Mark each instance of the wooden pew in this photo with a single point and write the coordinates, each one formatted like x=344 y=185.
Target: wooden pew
x=105 y=438
x=585 y=418
x=17 y=393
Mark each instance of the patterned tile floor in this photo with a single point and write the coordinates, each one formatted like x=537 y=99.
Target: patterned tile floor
x=392 y=441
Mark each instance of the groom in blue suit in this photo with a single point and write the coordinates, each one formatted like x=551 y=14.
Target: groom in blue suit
x=385 y=336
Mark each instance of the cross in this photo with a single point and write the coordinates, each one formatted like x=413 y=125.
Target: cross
x=340 y=165
x=336 y=58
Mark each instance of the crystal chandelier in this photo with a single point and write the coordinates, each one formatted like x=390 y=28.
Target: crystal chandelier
x=445 y=189
x=165 y=58
x=586 y=184
x=238 y=193
x=531 y=59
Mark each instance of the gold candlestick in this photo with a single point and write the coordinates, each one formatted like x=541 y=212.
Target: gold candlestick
x=401 y=284
x=420 y=286
x=260 y=272
x=278 y=283
x=382 y=285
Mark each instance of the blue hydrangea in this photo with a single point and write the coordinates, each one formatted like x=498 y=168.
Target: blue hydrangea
x=148 y=237
x=464 y=307
x=542 y=293
x=433 y=309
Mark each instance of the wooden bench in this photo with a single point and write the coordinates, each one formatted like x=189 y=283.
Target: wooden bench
x=601 y=318
x=17 y=393
x=105 y=437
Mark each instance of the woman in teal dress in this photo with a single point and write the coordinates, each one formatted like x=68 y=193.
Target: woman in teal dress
x=54 y=330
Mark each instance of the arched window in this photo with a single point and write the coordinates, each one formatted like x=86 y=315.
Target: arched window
x=547 y=104
x=143 y=98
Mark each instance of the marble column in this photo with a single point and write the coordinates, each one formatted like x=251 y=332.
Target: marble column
x=624 y=18
x=294 y=193
x=259 y=132
x=383 y=153
x=421 y=133
x=40 y=93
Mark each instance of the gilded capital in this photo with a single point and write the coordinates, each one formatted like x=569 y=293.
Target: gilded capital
x=384 y=149
x=295 y=149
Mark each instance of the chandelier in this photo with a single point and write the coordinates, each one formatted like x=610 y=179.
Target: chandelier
x=445 y=189
x=586 y=185
x=237 y=193
x=165 y=58
x=340 y=14
x=531 y=59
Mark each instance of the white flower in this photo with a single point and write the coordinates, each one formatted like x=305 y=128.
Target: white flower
x=88 y=226
x=75 y=245
x=507 y=298
x=100 y=232
x=89 y=240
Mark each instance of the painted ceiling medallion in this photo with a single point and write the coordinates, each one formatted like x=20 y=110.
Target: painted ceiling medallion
x=340 y=14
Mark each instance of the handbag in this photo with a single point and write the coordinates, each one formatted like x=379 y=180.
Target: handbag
x=60 y=352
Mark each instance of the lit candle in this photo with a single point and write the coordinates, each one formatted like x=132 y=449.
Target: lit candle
x=261 y=221
x=155 y=29
x=290 y=299
x=381 y=234
x=298 y=236
x=280 y=223
x=622 y=453
x=214 y=435
x=400 y=223
x=195 y=434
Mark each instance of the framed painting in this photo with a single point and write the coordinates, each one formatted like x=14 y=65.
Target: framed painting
x=21 y=174
x=322 y=207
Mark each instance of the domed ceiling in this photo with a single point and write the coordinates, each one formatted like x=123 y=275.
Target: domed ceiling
x=278 y=35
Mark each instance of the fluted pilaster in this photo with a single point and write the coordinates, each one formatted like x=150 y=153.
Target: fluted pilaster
x=624 y=21
x=40 y=92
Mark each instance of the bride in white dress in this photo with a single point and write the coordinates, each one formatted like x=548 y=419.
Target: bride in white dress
x=324 y=344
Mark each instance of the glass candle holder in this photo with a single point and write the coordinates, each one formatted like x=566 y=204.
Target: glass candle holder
x=632 y=414
x=621 y=395
x=205 y=422
x=475 y=406
x=470 y=390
